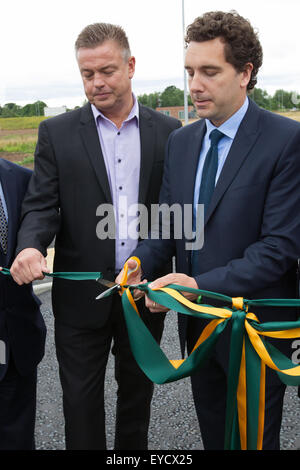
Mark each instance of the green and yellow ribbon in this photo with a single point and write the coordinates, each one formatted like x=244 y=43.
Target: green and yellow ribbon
x=250 y=352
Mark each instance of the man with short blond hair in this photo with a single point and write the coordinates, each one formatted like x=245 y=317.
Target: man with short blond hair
x=110 y=149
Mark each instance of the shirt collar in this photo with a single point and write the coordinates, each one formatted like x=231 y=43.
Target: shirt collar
x=230 y=127
x=134 y=113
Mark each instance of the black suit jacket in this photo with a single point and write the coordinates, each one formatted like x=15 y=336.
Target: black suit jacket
x=252 y=228
x=68 y=184
x=22 y=328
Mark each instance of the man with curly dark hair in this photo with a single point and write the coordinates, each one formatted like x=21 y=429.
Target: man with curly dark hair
x=243 y=164
x=231 y=38
x=241 y=43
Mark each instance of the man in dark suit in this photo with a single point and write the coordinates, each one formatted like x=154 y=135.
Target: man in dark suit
x=22 y=328
x=109 y=151
x=251 y=211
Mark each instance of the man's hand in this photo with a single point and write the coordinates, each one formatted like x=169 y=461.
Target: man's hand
x=133 y=278
x=173 y=278
x=28 y=266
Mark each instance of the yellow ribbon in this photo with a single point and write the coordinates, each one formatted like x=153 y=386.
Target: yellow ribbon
x=222 y=314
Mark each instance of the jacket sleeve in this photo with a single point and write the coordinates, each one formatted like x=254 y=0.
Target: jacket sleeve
x=40 y=210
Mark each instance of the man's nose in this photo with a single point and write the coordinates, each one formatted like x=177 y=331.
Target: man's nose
x=196 y=83
x=98 y=81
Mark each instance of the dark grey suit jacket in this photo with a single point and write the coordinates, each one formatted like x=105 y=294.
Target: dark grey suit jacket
x=68 y=184
x=252 y=226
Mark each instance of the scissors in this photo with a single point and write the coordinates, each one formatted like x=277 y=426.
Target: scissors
x=112 y=286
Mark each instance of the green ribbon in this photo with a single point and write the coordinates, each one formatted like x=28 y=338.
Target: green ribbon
x=160 y=369
x=72 y=276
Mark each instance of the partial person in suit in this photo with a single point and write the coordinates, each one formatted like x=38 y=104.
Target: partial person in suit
x=250 y=188
x=22 y=328
x=109 y=151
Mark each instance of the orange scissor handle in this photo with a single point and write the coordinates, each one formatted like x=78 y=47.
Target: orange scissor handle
x=127 y=271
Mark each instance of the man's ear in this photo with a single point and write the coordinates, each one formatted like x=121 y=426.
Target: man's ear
x=131 y=66
x=246 y=75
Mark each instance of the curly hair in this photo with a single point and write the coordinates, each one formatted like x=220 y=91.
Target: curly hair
x=241 y=41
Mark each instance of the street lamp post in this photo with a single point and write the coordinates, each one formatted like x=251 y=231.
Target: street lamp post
x=186 y=114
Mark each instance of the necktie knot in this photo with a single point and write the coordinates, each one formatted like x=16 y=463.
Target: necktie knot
x=215 y=136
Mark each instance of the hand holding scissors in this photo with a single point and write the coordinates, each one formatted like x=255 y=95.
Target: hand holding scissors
x=131 y=274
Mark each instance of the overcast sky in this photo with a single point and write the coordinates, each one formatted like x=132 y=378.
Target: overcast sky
x=37 y=43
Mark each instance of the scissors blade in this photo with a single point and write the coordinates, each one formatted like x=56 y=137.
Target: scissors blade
x=111 y=286
x=106 y=283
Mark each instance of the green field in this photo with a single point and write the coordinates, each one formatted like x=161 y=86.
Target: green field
x=23 y=143
x=292 y=115
x=18 y=123
x=18 y=137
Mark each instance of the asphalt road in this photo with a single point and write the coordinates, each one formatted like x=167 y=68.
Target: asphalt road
x=173 y=425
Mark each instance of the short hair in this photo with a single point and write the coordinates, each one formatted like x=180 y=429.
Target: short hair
x=241 y=41
x=96 y=34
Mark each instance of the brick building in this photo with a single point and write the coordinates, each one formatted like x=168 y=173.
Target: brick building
x=177 y=111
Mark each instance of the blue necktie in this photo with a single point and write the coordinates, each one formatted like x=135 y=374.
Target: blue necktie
x=3 y=228
x=208 y=181
x=210 y=170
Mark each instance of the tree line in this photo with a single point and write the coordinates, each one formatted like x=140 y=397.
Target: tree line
x=171 y=96
x=15 y=110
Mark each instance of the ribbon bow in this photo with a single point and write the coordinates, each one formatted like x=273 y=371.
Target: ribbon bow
x=250 y=353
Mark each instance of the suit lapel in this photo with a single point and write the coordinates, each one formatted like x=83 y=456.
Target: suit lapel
x=90 y=138
x=10 y=191
x=147 y=133
x=192 y=151
x=245 y=138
